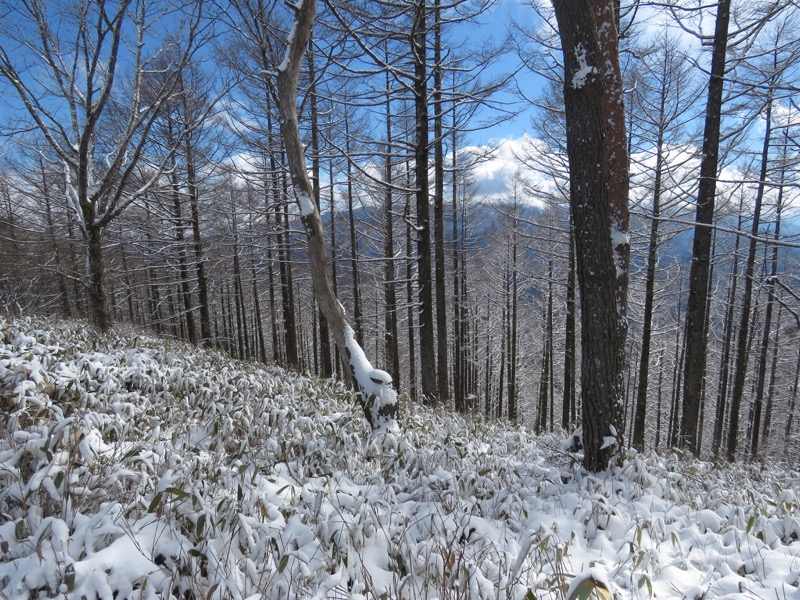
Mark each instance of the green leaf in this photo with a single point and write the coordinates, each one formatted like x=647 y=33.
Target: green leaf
x=590 y=589
x=644 y=580
x=751 y=522
x=19 y=530
x=178 y=493
x=201 y=523
x=154 y=503
x=530 y=595
x=283 y=562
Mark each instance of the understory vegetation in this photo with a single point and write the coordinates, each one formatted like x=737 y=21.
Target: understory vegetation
x=138 y=467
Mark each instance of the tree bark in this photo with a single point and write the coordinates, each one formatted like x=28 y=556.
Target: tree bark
x=424 y=276
x=599 y=203
x=96 y=291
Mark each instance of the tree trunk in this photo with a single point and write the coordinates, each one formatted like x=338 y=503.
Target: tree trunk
x=443 y=384
x=97 y=293
x=390 y=340
x=180 y=242
x=324 y=346
x=197 y=245
x=412 y=349
x=699 y=280
x=599 y=202
x=568 y=405
x=424 y=277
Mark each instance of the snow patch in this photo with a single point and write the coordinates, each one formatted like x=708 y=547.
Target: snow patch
x=289 y=41
x=375 y=386
x=580 y=76
x=305 y=203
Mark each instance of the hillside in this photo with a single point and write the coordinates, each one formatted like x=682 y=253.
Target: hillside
x=136 y=467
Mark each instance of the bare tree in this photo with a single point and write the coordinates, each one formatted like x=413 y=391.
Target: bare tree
x=63 y=60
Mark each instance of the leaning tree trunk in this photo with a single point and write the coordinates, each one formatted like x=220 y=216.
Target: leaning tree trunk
x=374 y=386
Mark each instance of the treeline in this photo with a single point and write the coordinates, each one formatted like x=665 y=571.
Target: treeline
x=146 y=184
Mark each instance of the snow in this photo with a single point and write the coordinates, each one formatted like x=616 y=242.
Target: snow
x=584 y=70
x=375 y=385
x=289 y=41
x=304 y=202
x=141 y=467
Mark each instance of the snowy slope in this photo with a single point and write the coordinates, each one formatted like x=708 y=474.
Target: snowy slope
x=133 y=467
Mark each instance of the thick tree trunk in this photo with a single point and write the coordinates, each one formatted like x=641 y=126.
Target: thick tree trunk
x=599 y=202
x=377 y=397
x=699 y=281
x=96 y=290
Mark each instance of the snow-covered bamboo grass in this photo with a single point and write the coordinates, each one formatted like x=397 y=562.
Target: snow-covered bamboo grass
x=142 y=467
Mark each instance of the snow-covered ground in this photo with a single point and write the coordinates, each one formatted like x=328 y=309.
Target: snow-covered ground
x=134 y=467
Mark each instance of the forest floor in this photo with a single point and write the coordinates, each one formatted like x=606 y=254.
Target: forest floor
x=138 y=467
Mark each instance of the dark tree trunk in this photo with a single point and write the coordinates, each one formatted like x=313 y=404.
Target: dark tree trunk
x=260 y=343
x=197 y=245
x=287 y=285
x=568 y=405
x=96 y=290
x=412 y=351
x=770 y=302
x=459 y=362
x=512 y=333
x=180 y=242
x=699 y=280
x=599 y=202
x=438 y=212
x=424 y=276
x=390 y=339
